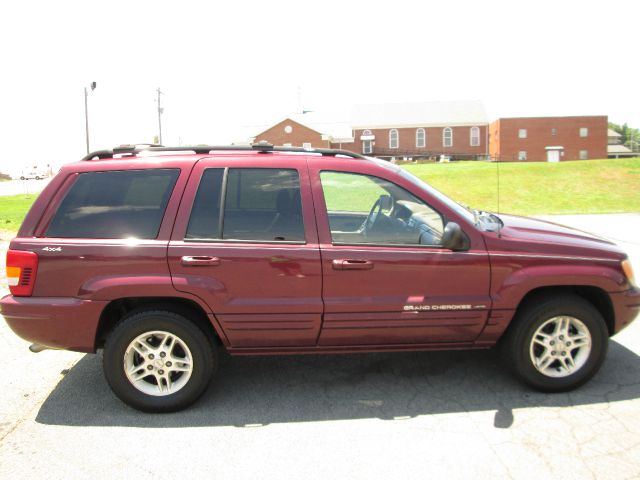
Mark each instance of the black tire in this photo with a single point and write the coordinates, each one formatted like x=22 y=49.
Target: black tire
x=517 y=342
x=202 y=349
x=21 y=178
x=37 y=177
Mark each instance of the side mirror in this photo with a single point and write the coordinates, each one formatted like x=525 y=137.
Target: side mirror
x=454 y=238
x=386 y=202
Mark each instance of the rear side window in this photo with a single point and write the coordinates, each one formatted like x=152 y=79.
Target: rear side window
x=257 y=204
x=263 y=204
x=204 y=221
x=115 y=204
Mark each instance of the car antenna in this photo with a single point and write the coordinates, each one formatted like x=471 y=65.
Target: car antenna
x=498 y=188
x=498 y=183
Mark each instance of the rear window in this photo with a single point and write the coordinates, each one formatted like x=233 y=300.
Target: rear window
x=115 y=204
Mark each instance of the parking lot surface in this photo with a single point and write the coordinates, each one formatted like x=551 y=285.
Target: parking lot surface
x=410 y=415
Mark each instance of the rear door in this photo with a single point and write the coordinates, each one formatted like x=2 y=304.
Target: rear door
x=385 y=281
x=245 y=242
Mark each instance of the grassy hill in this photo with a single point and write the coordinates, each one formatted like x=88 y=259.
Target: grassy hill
x=587 y=186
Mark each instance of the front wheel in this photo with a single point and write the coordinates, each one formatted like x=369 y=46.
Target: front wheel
x=557 y=344
x=158 y=361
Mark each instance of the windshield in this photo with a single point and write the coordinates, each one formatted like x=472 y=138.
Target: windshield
x=459 y=209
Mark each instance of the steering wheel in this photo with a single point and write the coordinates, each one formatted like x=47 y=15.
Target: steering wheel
x=374 y=215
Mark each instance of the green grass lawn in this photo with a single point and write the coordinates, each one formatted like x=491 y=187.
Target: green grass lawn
x=13 y=209
x=588 y=186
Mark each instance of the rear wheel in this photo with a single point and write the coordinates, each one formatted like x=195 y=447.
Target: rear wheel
x=557 y=344
x=158 y=361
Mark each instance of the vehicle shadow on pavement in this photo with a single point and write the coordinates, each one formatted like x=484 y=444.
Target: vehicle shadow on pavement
x=254 y=391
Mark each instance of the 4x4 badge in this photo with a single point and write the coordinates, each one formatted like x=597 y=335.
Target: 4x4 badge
x=52 y=249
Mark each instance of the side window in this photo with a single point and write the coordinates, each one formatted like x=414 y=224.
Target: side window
x=393 y=138
x=474 y=137
x=447 y=137
x=204 y=222
x=263 y=204
x=364 y=209
x=114 y=204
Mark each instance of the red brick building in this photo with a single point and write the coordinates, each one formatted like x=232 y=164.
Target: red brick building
x=548 y=139
x=290 y=133
x=457 y=130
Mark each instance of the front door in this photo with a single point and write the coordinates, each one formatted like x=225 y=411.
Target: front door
x=387 y=280
x=553 y=155
x=245 y=244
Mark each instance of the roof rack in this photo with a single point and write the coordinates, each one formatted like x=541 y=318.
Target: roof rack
x=261 y=147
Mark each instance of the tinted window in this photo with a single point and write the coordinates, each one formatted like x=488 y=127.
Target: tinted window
x=367 y=209
x=117 y=204
x=263 y=204
x=204 y=222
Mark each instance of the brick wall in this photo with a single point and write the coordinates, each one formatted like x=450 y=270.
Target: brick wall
x=296 y=135
x=494 y=139
x=505 y=143
x=434 y=142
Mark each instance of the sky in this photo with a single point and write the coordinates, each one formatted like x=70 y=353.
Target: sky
x=227 y=70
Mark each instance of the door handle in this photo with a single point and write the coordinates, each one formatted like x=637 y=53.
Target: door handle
x=348 y=264
x=202 y=261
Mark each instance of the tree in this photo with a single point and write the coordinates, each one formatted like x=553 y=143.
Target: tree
x=629 y=137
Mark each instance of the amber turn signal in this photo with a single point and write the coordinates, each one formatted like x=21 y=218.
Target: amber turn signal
x=628 y=271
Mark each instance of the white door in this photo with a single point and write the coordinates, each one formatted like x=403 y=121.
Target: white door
x=553 y=155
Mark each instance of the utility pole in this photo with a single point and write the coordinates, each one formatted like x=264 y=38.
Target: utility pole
x=86 y=112
x=160 y=110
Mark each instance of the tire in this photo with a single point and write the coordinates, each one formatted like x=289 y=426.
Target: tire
x=21 y=178
x=547 y=359
x=37 y=177
x=177 y=355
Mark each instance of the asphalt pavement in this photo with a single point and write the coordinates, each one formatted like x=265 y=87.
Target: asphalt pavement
x=408 y=415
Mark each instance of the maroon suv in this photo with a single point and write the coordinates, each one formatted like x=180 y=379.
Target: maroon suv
x=162 y=257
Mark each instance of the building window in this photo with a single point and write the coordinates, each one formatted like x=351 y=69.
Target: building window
x=421 y=138
x=522 y=155
x=306 y=145
x=474 y=137
x=393 y=138
x=584 y=155
x=522 y=133
x=447 y=137
x=367 y=147
x=584 y=132
x=554 y=131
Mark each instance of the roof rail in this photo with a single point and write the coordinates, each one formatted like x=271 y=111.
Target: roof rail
x=261 y=147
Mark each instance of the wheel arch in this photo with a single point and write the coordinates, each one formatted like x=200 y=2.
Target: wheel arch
x=117 y=309
x=594 y=295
